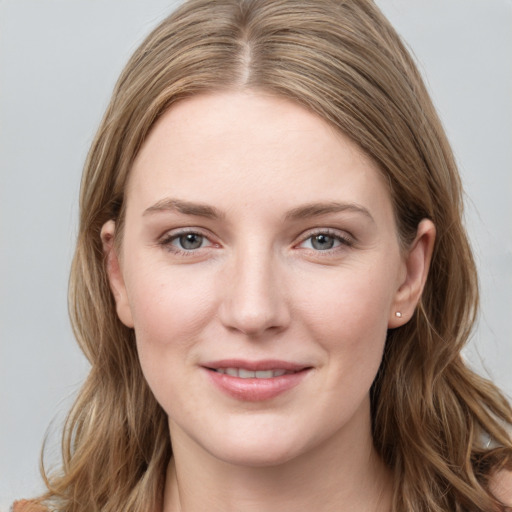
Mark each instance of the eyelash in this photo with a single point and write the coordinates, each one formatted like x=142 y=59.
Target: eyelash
x=167 y=241
x=343 y=239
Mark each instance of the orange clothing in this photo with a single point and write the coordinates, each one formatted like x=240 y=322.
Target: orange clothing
x=28 y=506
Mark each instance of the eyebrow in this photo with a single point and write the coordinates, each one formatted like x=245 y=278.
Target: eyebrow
x=301 y=212
x=319 y=209
x=184 y=207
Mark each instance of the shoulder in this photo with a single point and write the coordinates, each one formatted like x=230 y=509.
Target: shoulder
x=28 y=506
x=501 y=486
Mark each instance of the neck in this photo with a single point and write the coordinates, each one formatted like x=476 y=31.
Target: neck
x=342 y=473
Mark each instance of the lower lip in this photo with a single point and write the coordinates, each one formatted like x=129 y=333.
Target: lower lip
x=253 y=389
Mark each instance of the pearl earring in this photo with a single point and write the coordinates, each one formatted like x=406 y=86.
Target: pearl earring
x=398 y=314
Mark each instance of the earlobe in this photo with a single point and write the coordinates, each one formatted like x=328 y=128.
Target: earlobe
x=417 y=263
x=114 y=274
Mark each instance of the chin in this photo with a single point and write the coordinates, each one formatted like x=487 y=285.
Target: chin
x=257 y=456
x=259 y=446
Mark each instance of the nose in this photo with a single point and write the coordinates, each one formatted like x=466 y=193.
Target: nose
x=254 y=300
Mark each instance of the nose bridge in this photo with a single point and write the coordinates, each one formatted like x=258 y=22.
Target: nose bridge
x=254 y=301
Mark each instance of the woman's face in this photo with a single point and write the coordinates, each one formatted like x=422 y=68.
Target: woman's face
x=260 y=269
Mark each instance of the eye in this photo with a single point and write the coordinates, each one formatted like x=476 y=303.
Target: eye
x=185 y=242
x=325 y=241
x=189 y=241
x=322 y=242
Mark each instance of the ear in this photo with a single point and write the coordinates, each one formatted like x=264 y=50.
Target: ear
x=417 y=263
x=115 y=275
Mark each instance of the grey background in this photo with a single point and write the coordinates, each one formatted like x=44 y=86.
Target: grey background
x=59 y=60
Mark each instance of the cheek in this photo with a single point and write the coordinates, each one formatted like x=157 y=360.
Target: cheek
x=170 y=310
x=348 y=317
x=348 y=304
x=167 y=304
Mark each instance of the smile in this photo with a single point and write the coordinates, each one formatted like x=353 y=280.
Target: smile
x=243 y=373
x=255 y=381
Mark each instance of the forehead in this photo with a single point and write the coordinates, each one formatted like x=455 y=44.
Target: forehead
x=254 y=146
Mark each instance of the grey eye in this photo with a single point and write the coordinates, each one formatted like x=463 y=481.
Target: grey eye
x=322 y=242
x=190 y=241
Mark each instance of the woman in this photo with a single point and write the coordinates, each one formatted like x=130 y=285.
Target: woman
x=272 y=275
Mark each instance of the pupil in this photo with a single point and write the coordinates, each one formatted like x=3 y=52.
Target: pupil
x=191 y=241
x=322 y=242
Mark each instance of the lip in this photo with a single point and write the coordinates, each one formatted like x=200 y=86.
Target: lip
x=255 y=389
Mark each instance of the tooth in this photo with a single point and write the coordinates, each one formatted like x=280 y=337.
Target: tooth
x=264 y=374
x=278 y=373
x=221 y=370
x=246 y=374
x=231 y=371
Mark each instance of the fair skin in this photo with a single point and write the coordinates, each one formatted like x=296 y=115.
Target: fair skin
x=501 y=487
x=257 y=238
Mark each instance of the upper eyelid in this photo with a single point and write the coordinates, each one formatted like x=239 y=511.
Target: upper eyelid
x=175 y=233
x=166 y=241
x=343 y=234
x=172 y=234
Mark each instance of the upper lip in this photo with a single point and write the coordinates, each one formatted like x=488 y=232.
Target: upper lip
x=266 y=364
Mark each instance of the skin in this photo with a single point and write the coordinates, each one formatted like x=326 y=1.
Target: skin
x=260 y=285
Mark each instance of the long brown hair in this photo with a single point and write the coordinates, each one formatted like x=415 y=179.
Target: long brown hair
x=343 y=61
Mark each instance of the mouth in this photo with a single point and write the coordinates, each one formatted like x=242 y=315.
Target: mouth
x=243 y=373
x=255 y=381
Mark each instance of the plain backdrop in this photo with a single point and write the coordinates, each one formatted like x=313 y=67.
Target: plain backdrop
x=59 y=60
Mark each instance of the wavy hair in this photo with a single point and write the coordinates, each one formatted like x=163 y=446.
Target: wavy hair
x=343 y=61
